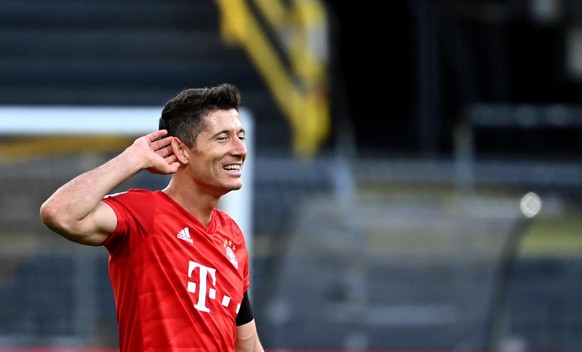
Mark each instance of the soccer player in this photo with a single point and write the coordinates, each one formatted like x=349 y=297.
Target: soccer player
x=179 y=266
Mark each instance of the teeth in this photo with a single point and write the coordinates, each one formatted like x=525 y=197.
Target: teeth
x=231 y=167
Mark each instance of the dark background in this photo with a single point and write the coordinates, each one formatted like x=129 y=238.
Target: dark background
x=372 y=73
x=409 y=72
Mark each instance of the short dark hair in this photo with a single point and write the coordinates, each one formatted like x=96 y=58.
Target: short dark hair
x=183 y=115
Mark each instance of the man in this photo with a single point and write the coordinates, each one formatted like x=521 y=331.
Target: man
x=178 y=266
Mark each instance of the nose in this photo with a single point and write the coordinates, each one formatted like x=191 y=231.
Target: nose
x=239 y=147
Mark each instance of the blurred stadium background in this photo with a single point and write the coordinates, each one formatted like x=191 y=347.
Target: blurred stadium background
x=393 y=145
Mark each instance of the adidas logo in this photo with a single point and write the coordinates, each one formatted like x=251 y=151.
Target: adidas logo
x=184 y=234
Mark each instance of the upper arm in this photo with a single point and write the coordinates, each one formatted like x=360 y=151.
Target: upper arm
x=92 y=230
x=100 y=224
x=247 y=338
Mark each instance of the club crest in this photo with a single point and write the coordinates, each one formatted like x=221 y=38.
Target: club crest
x=230 y=255
x=230 y=252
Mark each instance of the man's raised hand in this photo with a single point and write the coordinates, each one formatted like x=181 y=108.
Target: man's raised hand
x=157 y=152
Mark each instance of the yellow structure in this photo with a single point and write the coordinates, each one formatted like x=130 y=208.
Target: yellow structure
x=300 y=88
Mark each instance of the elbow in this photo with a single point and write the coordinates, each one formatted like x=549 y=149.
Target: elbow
x=55 y=219
x=50 y=216
x=61 y=221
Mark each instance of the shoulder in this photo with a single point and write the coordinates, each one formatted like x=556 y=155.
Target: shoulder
x=134 y=199
x=223 y=216
x=225 y=220
x=132 y=193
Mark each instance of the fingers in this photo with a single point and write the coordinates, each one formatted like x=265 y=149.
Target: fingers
x=162 y=143
x=166 y=152
x=171 y=159
x=169 y=166
x=157 y=140
x=163 y=147
x=156 y=134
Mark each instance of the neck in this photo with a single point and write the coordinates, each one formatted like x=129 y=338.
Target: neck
x=199 y=204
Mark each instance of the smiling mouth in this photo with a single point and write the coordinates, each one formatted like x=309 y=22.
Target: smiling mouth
x=232 y=167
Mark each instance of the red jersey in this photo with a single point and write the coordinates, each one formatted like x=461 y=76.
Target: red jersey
x=177 y=284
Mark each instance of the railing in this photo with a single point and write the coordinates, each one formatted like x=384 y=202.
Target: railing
x=298 y=80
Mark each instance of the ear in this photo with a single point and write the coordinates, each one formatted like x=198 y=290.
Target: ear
x=180 y=150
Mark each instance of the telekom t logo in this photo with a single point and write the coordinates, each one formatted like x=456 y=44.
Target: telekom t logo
x=204 y=291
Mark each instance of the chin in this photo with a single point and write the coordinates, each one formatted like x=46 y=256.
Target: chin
x=235 y=187
x=232 y=187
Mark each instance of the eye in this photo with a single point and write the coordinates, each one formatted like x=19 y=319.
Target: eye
x=242 y=137
x=222 y=137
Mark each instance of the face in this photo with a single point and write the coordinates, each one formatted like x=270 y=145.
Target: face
x=217 y=157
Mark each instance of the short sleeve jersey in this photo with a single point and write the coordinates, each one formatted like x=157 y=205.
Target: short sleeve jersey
x=178 y=284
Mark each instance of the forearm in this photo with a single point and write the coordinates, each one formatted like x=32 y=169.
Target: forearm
x=251 y=345
x=247 y=339
x=82 y=194
x=66 y=211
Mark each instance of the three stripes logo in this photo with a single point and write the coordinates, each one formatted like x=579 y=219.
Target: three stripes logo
x=184 y=234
